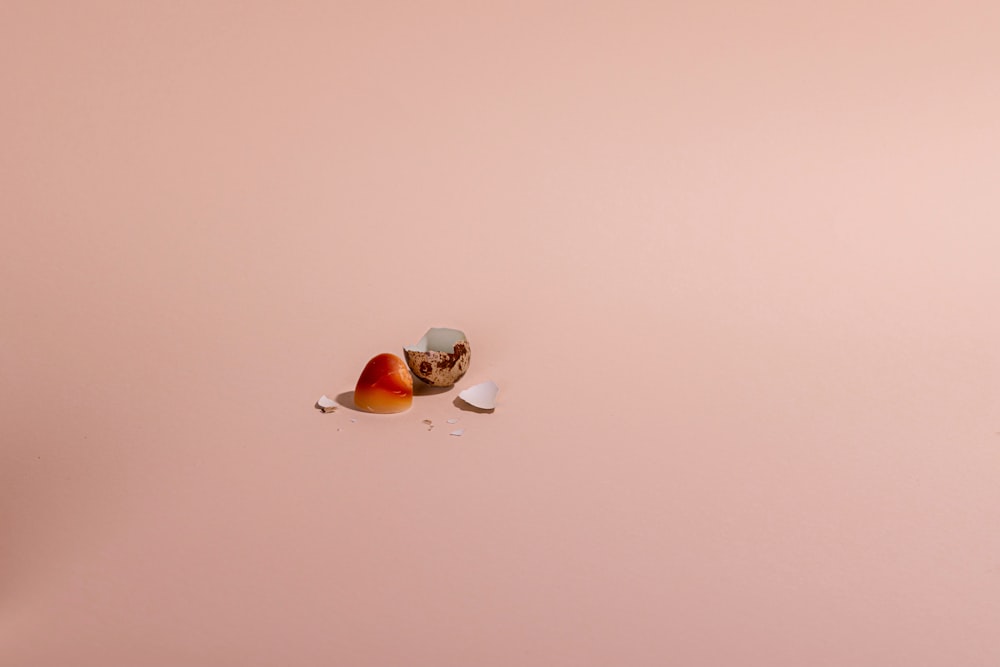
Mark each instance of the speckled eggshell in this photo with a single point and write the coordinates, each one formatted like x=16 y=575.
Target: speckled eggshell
x=440 y=369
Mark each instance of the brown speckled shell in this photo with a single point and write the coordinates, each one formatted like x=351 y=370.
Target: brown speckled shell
x=440 y=369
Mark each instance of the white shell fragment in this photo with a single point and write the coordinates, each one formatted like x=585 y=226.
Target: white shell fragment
x=453 y=420
x=326 y=404
x=482 y=395
x=458 y=432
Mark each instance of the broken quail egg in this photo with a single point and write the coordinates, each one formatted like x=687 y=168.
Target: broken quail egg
x=440 y=358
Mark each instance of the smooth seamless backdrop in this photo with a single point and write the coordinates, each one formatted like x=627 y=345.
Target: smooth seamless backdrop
x=733 y=264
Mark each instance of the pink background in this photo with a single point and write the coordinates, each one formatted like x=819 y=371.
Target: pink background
x=735 y=266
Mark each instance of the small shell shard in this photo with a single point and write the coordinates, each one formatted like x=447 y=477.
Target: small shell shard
x=457 y=432
x=482 y=395
x=326 y=404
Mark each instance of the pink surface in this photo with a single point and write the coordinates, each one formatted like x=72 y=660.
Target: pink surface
x=735 y=267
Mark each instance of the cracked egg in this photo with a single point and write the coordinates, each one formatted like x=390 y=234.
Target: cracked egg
x=440 y=358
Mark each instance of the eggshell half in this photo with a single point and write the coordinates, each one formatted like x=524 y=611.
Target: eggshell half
x=441 y=357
